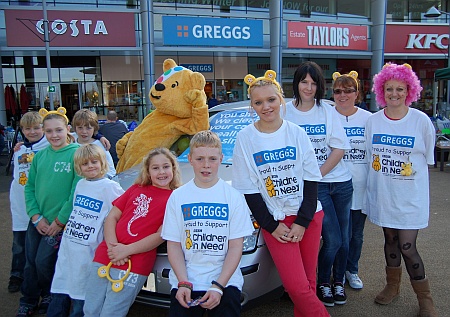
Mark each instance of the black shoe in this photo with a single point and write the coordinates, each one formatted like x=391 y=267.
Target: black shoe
x=325 y=295
x=43 y=306
x=24 y=311
x=339 y=295
x=14 y=284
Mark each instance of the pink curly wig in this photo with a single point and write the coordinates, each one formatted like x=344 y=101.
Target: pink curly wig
x=402 y=73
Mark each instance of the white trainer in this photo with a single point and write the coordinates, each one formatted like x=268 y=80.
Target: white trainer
x=353 y=280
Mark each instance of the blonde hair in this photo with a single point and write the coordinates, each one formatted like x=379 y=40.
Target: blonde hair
x=85 y=117
x=90 y=152
x=269 y=79
x=30 y=119
x=205 y=138
x=144 y=178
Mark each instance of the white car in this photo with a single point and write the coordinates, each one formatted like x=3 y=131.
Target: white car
x=261 y=279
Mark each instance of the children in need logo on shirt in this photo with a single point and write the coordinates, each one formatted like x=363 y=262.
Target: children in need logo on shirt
x=204 y=222
x=391 y=154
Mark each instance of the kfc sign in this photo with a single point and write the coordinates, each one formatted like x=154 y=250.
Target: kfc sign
x=70 y=29
x=417 y=39
x=327 y=36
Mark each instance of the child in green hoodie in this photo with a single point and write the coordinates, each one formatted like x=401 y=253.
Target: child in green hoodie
x=48 y=196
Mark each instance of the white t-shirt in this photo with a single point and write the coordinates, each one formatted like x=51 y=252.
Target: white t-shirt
x=275 y=165
x=92 y=201
x=355 y=159
x=325 y=131
x=22 y=164
x=112 y=170
x=395 y=200
x=203 y=221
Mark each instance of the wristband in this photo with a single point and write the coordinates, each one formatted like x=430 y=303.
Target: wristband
x=35 y=223
x=59 y=223
x=186 y=284
x=218 y=285
x=214 y=289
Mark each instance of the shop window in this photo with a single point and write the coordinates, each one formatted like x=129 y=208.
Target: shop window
x=353 y=8
x=125 y=97
x=230 y=90
x=411 y=10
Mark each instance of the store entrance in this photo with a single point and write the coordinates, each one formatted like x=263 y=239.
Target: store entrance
x=70 y=98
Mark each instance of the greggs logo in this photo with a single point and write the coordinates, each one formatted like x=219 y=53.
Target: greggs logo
x=215 y=32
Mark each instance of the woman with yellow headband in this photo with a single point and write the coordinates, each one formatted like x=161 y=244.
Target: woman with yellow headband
x=275 y=167
x=400 y=146
x=346 y=93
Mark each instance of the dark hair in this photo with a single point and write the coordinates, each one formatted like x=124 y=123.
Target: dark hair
x=316 y=74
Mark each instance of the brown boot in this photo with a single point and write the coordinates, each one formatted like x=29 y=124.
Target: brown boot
x=422 y=289
x=392 y=288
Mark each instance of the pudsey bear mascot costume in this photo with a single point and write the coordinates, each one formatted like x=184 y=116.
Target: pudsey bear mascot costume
x=180 y=108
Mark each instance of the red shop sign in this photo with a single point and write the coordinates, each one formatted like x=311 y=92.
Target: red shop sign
x=327 y=36
x=25 y=28
x=416 y=39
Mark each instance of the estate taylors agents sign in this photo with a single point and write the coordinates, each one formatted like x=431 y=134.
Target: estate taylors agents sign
x=190 y=31
x=25 y=28
x=327 y=36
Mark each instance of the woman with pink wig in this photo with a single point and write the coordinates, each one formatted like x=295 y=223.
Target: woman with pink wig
x=400 y=143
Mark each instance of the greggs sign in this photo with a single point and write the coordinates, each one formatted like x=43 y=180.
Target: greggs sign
x=327 y=36
x=417 y=39
x=25 y=28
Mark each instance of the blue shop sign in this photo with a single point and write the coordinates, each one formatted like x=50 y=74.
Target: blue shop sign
x=201 y=68
x=190 y=31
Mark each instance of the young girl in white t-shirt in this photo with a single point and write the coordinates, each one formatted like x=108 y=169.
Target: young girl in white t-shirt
x=274 y=166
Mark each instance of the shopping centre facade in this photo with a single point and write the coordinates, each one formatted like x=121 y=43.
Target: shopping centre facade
x=107 y=53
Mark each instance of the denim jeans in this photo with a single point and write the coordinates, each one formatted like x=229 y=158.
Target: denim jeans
x=41 y=253
x=357 y=222
x=60 y=306
x=336 y=199
x=18 y=253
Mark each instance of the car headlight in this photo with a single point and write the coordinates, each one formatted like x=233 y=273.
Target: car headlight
x=250 y=242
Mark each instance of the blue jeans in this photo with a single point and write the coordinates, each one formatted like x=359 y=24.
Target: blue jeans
x=18 y=253
x=60 y=306
x=357 y=221
x=41 y=253
x=336 y=199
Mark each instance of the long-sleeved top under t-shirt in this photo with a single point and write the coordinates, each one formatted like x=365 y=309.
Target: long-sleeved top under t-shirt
x=51 y=183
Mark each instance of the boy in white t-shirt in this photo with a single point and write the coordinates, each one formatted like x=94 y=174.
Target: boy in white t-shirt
x=204 y=225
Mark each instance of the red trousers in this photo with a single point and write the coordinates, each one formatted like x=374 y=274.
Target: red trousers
x=297 y=264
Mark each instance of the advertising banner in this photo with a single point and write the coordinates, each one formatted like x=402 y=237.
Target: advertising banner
x=25 y=28
x=190 y=31
x=327 y=36
x=416 y=39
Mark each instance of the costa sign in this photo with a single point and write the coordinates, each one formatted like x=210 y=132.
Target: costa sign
x=70 y=29
x=327 y=36
x=417 y=39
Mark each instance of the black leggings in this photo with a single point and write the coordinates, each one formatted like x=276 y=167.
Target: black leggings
x=403 y=242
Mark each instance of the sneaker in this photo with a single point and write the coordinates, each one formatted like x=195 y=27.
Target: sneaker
x=43 y=306
x=325 y=295
x=14 y=284
x=353 y=280
x=24 y=311
x=339 y=294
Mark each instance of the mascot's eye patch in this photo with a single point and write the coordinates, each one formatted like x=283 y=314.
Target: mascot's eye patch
x=169 y=73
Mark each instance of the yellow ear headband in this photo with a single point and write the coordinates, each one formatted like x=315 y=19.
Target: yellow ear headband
x=117 y=285
x=353 y=75
x=405 y=64
x=269 y=75
x=60 y=111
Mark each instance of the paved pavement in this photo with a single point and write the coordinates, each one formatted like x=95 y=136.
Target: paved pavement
x=433 y=245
